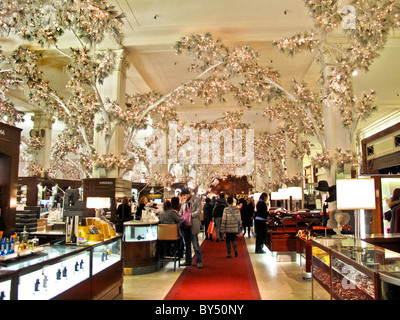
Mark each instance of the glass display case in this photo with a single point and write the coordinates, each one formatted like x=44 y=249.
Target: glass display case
x=105 y=255
x=5 y=286
x=140 y=231
x=50 y=280
x=321 y=283
x=349 y=272
x=140 y=246
x=61 y=271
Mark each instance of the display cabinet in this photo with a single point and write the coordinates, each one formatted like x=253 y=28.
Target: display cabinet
x=136 y=231
x=346 y=271
x=321 y=265
x=304 y=248
x=5 y=285
x=140 y=247
x=66 y=272
x=50 y=280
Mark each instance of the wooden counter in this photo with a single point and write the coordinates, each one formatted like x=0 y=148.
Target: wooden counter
x=140 y=247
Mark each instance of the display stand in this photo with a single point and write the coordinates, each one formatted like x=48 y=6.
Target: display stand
x=140 y=247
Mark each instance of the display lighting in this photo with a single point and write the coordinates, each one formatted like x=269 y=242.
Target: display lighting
x=357 y=195
x=275 y=196
x=284 y=194
x=295 y=192
x=98 y=203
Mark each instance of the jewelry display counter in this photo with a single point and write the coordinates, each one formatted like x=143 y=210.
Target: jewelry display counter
x=66 y=272
x=140 y=246
x=345 y=270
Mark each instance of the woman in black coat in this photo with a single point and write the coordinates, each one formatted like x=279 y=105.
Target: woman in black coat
x=247 y=212
x=260 y=222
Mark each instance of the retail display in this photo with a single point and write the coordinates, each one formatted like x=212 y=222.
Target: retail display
x=137 y=231
x=140 y=246
x=343 y=271
x=63 y=272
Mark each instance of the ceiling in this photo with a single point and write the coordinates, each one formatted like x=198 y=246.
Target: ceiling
x=151 y=28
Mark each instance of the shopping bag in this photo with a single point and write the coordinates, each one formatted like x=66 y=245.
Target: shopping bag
x=211 y=227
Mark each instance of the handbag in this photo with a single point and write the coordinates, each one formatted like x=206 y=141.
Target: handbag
x=234 y=216
x=186 y=219
x=211 y=227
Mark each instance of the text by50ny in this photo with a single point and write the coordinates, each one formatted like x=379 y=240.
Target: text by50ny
x=202 y=309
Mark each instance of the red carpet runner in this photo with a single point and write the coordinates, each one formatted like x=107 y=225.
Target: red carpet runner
x=220 y=279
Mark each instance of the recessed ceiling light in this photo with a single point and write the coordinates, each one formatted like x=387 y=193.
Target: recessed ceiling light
x=355 y=72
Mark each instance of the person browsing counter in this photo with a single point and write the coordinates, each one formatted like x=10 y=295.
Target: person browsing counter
x=191 y=203
x=260 y=222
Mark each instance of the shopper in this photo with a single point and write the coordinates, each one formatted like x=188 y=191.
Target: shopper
x=219 y=206
x=124 y=210
x=192 y=204
x=260 y=222
x=170 y=214
x=142 y=204
x=247 y=212
x=207 y=213
x=231 y=221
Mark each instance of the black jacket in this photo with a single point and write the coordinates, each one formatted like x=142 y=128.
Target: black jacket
x=207 y=210
x=262 y=210
x=246 y=213
x=124 y=211
x=219 y=207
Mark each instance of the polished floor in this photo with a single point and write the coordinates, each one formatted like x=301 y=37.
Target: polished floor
x=278 y=278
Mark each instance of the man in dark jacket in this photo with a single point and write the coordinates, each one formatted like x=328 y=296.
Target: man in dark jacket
x=220 y=205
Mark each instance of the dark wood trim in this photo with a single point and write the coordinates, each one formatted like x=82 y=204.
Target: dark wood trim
x=365 y=165
x=10 y=139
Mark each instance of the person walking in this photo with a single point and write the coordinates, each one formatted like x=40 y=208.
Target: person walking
x=247 y=212
x=207 y=212
x=191 y=205
x=231 y=220
x=218 y=210
x=260 y=222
